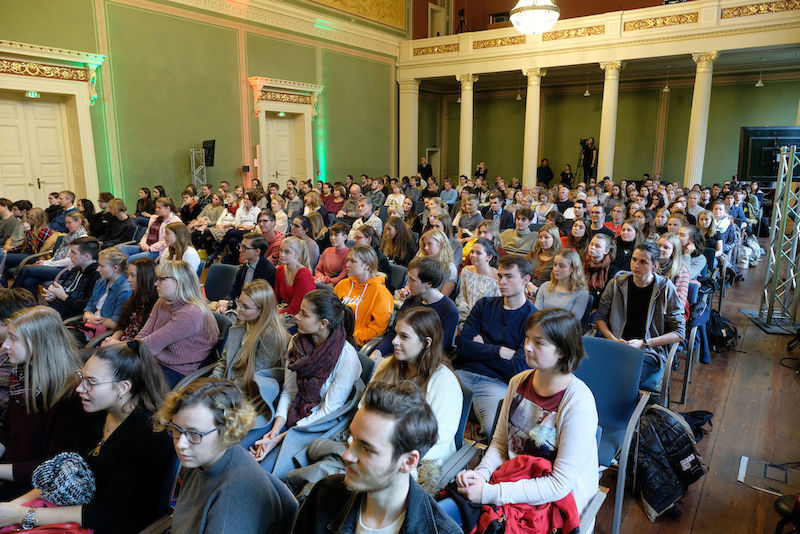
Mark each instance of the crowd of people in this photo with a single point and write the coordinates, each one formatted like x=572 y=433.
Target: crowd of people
x=104 y=339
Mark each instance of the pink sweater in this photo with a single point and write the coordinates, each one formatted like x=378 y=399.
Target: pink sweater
x=175 y=335
x=332 y=261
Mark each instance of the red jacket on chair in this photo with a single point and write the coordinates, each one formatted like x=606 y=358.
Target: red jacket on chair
x=519 y=518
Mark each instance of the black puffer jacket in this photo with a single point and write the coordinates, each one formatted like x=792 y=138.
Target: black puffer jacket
x=667 y=460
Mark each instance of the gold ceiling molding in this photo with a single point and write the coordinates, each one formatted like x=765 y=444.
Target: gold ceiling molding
x=439 y=49
x=389 y=12
x=290 y=98
x=760 y=9
x=494 y=43
x=572 y=33
x=42 y=70
x=660 y=22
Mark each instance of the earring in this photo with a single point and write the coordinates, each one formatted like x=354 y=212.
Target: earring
x=119 y=397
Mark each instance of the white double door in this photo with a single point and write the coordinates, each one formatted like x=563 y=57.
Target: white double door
x=279 y=148
x=34 y=149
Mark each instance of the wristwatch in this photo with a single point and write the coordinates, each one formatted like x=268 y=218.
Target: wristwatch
x=646 y=344
x=30 y=519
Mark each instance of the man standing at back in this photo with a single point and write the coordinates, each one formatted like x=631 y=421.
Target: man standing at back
x=391 y=431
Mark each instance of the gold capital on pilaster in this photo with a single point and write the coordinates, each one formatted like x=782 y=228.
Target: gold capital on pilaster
x=534 y=75
x=705 y=60
x=612 y=68
x=409 y=86
x=466 y=80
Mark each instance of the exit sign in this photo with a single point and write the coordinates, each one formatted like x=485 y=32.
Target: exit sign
x=32 y=94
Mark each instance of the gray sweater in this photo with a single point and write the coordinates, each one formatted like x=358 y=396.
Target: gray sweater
x=233 y=496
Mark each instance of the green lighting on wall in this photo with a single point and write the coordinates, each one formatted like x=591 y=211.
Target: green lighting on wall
x=323 y=24
x=321 y=134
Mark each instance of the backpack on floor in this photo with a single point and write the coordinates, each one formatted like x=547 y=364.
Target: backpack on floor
x=722 y=333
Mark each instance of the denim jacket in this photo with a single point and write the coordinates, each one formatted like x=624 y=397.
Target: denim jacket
x=118 y=295
x=331 y=507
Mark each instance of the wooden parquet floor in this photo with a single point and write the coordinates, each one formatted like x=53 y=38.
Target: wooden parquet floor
x=756 y=406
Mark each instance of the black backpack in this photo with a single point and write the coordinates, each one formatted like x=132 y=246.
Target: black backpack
x=722 y=333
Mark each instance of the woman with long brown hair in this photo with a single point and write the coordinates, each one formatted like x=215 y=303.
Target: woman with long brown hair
x=397 y=243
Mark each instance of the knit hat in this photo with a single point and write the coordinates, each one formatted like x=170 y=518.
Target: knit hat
x=65 y=480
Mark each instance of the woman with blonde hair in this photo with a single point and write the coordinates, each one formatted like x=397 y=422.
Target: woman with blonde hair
x=293 y=278
x=110 y=293
x=567 y=288
x=479 y=278
x=672 y=266
x=278 y=207
x=179 y=246
x=44 y=415
x=313 y=202
x=434 y=244
x=319 y=232
x=256 y=342
x=223 y=489
x=544 y=252
x=397 y=243
x=180 y=331
x=544 y=206
x=444 y=223
x=364 y=290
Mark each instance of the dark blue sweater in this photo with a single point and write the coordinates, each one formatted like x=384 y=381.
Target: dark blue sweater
x=448 y=315
x=499 y=328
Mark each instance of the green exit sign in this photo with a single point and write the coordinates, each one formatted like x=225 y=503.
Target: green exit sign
x=32 y=94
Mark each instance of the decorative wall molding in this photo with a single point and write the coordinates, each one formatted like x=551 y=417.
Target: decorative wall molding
x=572 y=33
x=294 y=19
x=389 y=12
x=502 y=41
x=439 y=49
x=660 y=22
x=43 y=70
x=760 y=9
x=50 y=53
x=283 y=91
x=291 y=98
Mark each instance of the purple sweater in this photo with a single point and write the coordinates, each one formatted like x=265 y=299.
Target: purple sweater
x=174 y=333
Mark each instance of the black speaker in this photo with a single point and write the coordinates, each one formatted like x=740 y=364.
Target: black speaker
x=245 y=168
x=208 y=147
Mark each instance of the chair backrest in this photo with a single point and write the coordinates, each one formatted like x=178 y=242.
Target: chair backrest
x=200 y=268
x=612 y=371
x=219 y=280
x=383 y=214
x=223 y=324
x=138 y=234
x=320 y=285
x=419 y=206
x=367 y=367
x=694 y=290
x=711 y=257
x=465 y=406
x=289 y=504
x=397 y=276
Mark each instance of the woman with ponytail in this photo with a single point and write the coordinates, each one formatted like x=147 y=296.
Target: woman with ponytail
x=122 y=386
x=322 y=367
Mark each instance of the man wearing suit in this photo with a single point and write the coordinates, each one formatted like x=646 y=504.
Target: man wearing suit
x=254 y=265
x=494 y=212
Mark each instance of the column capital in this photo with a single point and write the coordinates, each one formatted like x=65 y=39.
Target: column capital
x=534 y=75
x=705 y=60
x=612 y=68
x=466 y=80
x=409 y=86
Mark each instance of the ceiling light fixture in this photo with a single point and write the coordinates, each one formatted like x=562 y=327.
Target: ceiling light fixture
x=666 y=85
x=519 y=88
x=587 y=93
x=534 y=16
x=760 y=82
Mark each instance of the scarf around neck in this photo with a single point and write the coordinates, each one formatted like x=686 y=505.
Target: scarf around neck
x=597 y=271
x=313 y=365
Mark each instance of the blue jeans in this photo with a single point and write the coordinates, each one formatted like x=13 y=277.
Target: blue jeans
x=450 y=507
x=171 y=376
x=31 y=276
x=12 y=260
x=134 y=252
x=487 y=394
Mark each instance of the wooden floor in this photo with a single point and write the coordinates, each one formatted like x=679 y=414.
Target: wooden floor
x=756 y=406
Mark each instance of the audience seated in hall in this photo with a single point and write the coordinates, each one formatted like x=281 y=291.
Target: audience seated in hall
x=136 y=311
x=38 y=238
x=642 y=309
x=367 y=217
x=397 y=243
x=424 y=278
x=332 y=266
x=520 y=240
x=179 y=246
x=301 y=229
x=567 y=288
x=671 y=266
x=221 y=487
x=152 y=242
x=322 y=367
x=119 y=226
x=293 y=278
x=693 y=244
x=598 y=265
x=434 y=244
x=547 y=400
x=364 y=291
x=66 y=202
x=254 y=266
x=489 y=347
x=11 y=301
x=70 y=295
x=111 y=291
x=256 y=342
x=629 y=236
x=479 y=278
x=366 y=235
x=541 y=257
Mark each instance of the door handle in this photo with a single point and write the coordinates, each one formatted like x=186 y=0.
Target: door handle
x=39 y=183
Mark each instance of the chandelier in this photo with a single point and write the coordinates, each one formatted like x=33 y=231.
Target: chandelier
x=534 y=16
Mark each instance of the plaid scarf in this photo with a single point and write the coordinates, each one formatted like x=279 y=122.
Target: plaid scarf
x=597 y=272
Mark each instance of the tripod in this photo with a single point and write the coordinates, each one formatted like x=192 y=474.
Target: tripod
x=462 y=25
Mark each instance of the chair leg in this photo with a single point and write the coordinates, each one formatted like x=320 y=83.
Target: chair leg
x=687 y=370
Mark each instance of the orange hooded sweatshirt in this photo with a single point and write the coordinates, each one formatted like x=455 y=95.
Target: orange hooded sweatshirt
x=372 y=304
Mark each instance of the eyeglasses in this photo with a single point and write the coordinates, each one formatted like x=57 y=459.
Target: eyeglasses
x=192 y=436
x=89 y=384
x=248 y=248
x=240 y=306
x=162 y=278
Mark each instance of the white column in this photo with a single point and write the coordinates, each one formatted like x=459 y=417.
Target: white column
x=608 y=120
x=408 y=127
x=465 y=124
x=530 y=150
x=698 y=120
